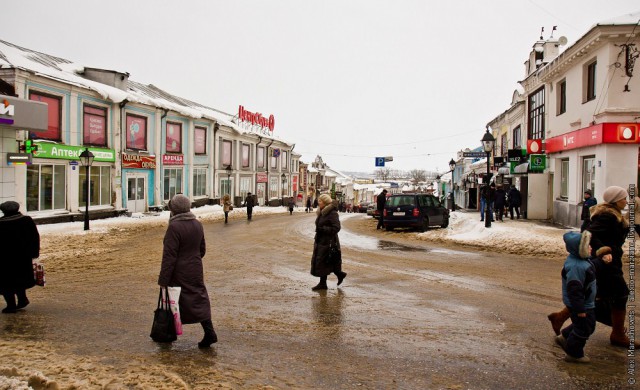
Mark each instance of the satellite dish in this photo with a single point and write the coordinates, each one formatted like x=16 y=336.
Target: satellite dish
x=562 y=41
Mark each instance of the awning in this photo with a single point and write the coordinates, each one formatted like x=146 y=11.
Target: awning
x=522 y=168
x=504 y=171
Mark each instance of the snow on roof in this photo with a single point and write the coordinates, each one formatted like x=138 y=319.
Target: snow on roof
x=632 y=18
x=66 y=71
x=312 y=169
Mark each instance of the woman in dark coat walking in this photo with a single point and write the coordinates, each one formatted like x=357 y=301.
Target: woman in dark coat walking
x=184 y=247
x=327 y=228
x=20 y=243
x=608 y=232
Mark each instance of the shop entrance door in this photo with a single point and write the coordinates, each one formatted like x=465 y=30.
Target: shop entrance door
x=136 y=200
x=260 y=191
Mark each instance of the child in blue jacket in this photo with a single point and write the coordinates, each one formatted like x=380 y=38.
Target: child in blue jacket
x=579 y=295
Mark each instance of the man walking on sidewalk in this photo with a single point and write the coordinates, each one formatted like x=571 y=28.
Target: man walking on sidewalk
x=380 y=202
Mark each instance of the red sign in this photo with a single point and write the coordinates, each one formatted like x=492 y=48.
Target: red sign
x=534 y=146
x=295 y=183
x=603 y=133
x=139 y=162
x=261 y=177
x=172 y=159
x=256 y=118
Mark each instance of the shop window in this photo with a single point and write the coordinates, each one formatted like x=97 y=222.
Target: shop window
x=245 y=156
x=261 y=157
x=136 y=132
x=517 y=135
x=54 y=109
x=504 y=144
x=536 y=114
x=245 y=186
x=564 y=179
x=589 y=174
x=94 y=130
x=199 y=182
x=274 y=187
x=99 y=186
x=274 y=159
x=200 y=140
x=172 y=183
x=174 y=138
x=589 y=81
x=562 y=97
x=226 y=187
x=46 y=187
x=226 y=153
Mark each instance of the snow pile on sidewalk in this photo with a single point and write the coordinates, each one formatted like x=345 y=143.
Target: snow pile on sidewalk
x=511 y=236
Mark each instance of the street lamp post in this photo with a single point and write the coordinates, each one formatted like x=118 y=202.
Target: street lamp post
x=487 y=144
x=86 y=159
x=452 y=166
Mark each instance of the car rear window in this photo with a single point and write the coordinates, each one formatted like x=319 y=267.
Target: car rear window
x=396 y=201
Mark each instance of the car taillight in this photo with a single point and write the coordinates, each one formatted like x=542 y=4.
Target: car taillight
x=384 y=212
x=416 y=212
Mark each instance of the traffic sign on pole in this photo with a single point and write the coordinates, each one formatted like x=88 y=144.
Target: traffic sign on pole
x=380 y=161
x=474 y=154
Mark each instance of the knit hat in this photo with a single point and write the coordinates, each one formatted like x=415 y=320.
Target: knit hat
x=588 y=191
x=180 y=204
x=614 y=193
x=9 y=208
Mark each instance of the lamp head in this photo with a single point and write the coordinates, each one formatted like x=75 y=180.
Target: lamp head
x=86 y=158
x=487 y=141
x=228 y=169
x=452 y=164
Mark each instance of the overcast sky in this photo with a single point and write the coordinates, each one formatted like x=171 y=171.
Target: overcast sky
x=347 y=80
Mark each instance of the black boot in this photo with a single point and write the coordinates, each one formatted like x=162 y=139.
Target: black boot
x=341 y=275
x=23 y=301
x=322 y=285
x=210 y=336
x=11 y=303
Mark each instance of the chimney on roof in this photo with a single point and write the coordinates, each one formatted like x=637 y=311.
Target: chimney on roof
x=109 y=77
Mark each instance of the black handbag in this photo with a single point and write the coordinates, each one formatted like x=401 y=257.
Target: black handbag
x=334 y=257
x=163 y=329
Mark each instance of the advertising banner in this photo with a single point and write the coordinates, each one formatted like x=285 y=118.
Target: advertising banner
x=70 y=152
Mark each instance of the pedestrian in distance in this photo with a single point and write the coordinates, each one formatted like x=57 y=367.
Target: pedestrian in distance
x=308 y=208
x=609 y=230
x=585 y=216
x=381 y=200
x=20 y=242
x=327 y=228
x=226 y=206
x=250 y=203
x=183 y=249
x=487 y=196
x=499 y=202
x=291 y=205
x=515 y=200
x=315 y=204
x=578 y=295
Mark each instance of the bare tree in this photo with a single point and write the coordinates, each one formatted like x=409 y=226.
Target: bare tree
x=383 y=174
x=417 y=175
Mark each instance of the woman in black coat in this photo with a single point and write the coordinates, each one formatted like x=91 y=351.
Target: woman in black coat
x=327 y=228
x=183 y=249
x=20 y=243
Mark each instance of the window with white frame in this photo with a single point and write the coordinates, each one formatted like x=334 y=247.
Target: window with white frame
x=94 y=129
x=589 y=173
x=274 y=159
x=561 y=90
x=589 y=81
x=99 y=186
x=564 y=179
x=536 y=114
x=174 y=138
x=54 y=109
x=200 y=140
x=46 y=187
x=283 y=162
x=199 y=181
x=517 y=135
x=274 y=187
x=261 y=157
x=136 y=132
x=245 y=186
x=226 y=153
x=245 y=156
x=172 y=183
x=504 y=145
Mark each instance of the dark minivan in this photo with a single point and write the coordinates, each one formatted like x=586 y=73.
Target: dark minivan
x=419 y=211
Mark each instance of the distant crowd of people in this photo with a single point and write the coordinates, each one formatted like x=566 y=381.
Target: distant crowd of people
x=499 y=201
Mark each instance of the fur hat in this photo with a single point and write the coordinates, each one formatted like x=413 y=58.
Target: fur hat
x=180 y=204
x=614 y=193
x=585 y=241
x=9 y=208
x=588 y=191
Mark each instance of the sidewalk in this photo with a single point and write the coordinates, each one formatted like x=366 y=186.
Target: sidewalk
x=517 y=236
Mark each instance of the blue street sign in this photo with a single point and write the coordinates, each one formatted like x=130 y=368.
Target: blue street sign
x=379 y=161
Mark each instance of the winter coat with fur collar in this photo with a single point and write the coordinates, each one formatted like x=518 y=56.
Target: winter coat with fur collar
x=327 y=228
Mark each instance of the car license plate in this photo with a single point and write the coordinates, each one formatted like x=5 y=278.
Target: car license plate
x=399 y=213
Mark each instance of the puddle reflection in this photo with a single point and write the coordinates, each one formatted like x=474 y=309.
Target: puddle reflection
x=327 y=309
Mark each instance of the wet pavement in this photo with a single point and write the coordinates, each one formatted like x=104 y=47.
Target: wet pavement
x=410 y=315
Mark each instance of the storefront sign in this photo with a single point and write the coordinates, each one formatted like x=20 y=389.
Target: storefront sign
x=70 y=152
x=516 y=155
x=138 y=162
x=534 y=146
x=172 y=159
x=603 y=133
x=23 y=114
x=294 y=181
x=19 y=159
x=537 y=162
x=256 y=119
x=261 y=177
